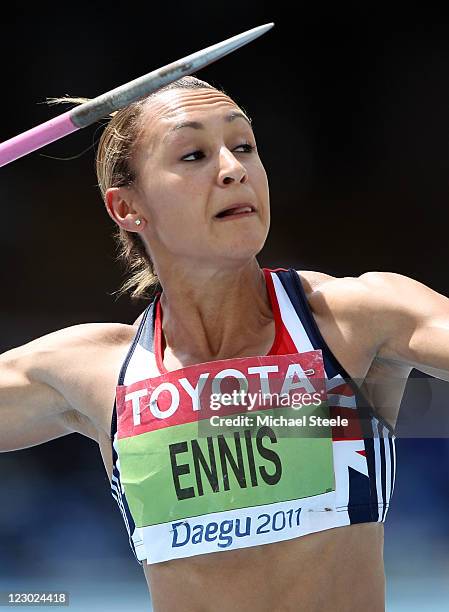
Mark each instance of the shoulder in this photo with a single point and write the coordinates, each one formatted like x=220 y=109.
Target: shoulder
x=311 y=280
x=76 y=353
x=337 y=300
x=373 y=290
x=387 y=303
x=401 y=297
x=87 y=335
x=342 y=292
x=82 y=364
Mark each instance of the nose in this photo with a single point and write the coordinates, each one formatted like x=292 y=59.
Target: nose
x=231 y=170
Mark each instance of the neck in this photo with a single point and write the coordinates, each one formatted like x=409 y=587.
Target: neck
x=215 y=314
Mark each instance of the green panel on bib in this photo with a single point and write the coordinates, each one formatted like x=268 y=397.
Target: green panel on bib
x=169 y=473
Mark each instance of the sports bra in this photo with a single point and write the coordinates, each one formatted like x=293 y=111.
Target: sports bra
x=203 y=463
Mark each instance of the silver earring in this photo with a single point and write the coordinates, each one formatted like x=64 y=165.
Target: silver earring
x=137 y=221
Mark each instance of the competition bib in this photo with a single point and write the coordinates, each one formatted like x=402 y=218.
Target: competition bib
x=226 y=454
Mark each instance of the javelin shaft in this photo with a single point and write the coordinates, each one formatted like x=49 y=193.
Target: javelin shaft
x=117 y=98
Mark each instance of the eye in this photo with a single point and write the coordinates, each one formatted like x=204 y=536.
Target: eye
x=248 y=148
x=192 y=154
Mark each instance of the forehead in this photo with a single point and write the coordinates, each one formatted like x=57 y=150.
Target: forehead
x=161 y=113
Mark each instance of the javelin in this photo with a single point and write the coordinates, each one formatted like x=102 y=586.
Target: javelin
x=101 y=106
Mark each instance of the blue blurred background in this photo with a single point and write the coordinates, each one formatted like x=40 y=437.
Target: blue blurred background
x=350 y=108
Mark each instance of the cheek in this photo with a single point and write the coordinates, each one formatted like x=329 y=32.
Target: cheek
x=260 y=180
x=168 y=191
x=174 y=202
x=188 y=192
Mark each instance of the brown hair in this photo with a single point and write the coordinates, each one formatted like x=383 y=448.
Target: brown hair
x=113 y=168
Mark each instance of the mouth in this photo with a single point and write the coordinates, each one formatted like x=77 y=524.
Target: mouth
x=236 y=211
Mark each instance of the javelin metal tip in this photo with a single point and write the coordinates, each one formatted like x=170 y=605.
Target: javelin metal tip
x=103 y=105
x=99 y=107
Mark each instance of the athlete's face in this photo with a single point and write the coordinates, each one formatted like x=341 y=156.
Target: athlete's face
x=196 y=156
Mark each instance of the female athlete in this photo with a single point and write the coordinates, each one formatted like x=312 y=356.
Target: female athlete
x=237 y=515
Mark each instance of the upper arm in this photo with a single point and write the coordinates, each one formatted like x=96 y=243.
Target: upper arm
x=412 y=321
x=45 y=384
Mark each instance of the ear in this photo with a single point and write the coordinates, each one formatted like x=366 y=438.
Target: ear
x=119 y=202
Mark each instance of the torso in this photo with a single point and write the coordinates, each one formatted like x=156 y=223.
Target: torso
x=313 y=572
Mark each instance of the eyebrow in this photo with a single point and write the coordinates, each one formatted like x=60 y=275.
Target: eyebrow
x=197 y=125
